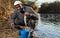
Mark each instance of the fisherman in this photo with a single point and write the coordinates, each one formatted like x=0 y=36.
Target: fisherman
x=23 y=16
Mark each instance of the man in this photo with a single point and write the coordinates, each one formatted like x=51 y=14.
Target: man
x=20 y=16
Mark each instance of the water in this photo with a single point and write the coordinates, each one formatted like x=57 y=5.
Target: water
x=47 y=29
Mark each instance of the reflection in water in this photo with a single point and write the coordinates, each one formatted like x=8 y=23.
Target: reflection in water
x=46 y=29
x=51 y=18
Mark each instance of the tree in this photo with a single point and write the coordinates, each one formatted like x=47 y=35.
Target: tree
x=50 y=11
x=50 y=8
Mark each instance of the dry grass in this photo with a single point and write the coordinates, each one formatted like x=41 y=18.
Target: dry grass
x=6 y=32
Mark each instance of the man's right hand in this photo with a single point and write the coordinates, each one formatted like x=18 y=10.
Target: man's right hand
x=12 y=25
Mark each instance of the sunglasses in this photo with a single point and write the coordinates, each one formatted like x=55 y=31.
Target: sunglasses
x=17 y=6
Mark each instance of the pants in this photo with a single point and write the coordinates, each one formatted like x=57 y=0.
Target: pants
x=30 y=23
x=19 y=22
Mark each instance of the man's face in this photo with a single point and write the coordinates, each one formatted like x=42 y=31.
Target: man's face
x=18 y=7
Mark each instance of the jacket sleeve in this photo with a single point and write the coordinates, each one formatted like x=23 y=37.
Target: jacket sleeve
x=29 y=9
x=13 y=17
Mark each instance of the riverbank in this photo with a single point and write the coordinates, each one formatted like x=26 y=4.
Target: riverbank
x=6 y=31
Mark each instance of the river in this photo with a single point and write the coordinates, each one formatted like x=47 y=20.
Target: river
x=47 y=29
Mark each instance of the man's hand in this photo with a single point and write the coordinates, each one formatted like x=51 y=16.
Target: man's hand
x=12 y=25
x=29 y=28
x=26 y=27
x=26 y=14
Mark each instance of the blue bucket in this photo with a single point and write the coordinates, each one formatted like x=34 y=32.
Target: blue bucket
x=24 y=33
